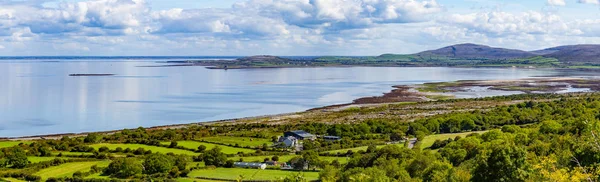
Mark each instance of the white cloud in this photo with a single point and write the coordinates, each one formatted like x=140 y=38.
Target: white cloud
x=557 y=2
x=589 y=1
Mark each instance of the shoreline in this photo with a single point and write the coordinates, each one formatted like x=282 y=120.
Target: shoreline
x=398 y=94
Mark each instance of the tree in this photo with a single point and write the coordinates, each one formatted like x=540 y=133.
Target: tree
x=201 y=148
x=123 y=168
x=505 y=162
x=103 y=149
x=181 y=161
x=329 y=174
x=158 y=163
x=312 y=159
x=17 y=158
x=275 y=158
x=214 y=157
x=173 y=144
x=92 y=138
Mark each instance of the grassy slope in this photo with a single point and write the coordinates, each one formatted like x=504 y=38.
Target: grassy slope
x=146 y=147
x=225 y=149
x=6 y=144
x=11 y=180
x=429 y=140
x=241 y=141
x=68 y=169
x=249 y=174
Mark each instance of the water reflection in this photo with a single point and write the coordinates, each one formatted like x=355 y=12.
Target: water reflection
x=40 y=97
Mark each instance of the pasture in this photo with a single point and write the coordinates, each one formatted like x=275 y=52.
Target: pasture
x=224 y=149
x=145 y=147
x=250 y=174
x=66 y=170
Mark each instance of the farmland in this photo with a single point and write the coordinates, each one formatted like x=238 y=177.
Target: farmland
x=67 y=170
x=225 y=149
x=250 y=174
x=146 y=147
x=240 y=141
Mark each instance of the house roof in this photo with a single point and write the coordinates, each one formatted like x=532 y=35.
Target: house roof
x=302 y=133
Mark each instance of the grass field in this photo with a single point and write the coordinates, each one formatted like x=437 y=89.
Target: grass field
x=225 y=149
x=193 y=180
x=42 y=159
x=146 y=147
x=241 y=141
x=249 y=174
x=286 y=158
x=356 y=149
x=11 y=180
x=5 y=144
x=68 y=169
x=429 y=140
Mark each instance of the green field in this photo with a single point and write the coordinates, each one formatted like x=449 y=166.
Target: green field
x=42 y=159
x=5 y=144
x=66 y=170
x=286 y=158
x=241 y=141
x=429 y=140
x=193 y=180
x=225 y=149
x=11 y=180
x=146 y=147
x=356 y=149
x=249 y=174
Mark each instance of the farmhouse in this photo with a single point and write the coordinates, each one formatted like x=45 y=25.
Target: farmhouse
x=300 y=135
x=254 y=165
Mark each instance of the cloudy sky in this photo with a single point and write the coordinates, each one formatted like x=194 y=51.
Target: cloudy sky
x=288 y=27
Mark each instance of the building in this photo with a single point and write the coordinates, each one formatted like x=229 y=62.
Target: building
x=331 y=138
x=300 y=135
x=288 y=142
x=254 y=165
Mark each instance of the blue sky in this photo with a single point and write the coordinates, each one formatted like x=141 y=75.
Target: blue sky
x=288 y=27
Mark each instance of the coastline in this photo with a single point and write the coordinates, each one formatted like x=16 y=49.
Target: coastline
x=399 y=94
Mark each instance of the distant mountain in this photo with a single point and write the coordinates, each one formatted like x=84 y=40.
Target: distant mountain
x=475 y=51
x=588 y=53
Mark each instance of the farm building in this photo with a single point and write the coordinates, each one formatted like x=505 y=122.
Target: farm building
x=289 y=141
x=254 y=165
x=300 y=135
x=331 y=138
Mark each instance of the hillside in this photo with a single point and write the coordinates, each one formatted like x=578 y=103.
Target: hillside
x=573 y=54
x=474 y=51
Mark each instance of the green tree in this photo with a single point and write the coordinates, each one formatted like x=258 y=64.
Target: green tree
x=17 y=158
x=214 y=157
x=181 y=161
x=201 y=148
x=312 y=159
x=92 y=138
x=329 y=174
x=124 y=168
x=173 y=144
x=505 y=162
x=158 y=163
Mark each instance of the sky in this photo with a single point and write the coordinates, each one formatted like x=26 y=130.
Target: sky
x=287 y=27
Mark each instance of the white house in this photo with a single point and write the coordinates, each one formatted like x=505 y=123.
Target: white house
x=254 y=165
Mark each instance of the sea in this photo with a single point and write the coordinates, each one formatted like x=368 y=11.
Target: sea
x=39 y=97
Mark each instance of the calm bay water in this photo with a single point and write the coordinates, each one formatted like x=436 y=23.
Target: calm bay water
x=39 y=97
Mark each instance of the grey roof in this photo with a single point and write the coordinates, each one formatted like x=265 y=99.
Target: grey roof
x=302 y=133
